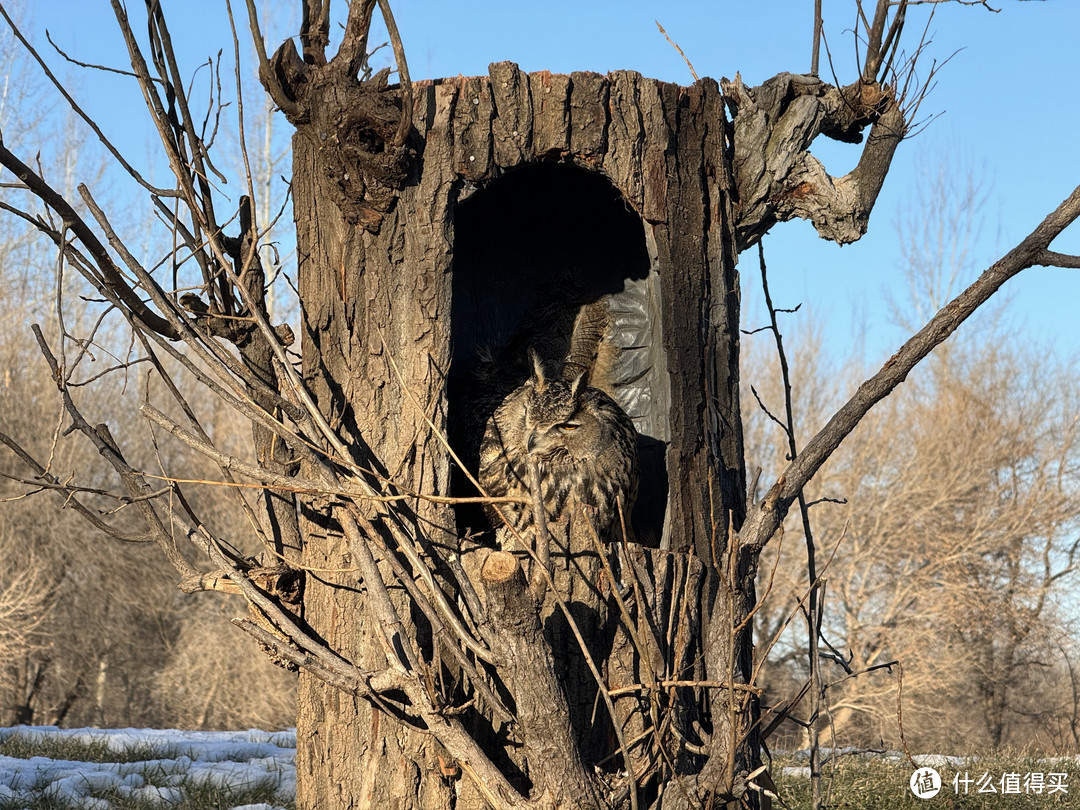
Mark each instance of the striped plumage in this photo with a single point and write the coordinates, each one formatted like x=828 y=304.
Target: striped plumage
x=583 y=442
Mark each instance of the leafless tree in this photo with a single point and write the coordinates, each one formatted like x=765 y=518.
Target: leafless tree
x=949 y=519
x=211 y=682
x=956 y=537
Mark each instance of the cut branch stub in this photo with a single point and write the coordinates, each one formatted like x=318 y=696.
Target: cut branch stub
x=777 y=177
x=283 y=79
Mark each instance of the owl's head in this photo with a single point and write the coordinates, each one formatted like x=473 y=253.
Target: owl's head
x=554 y=420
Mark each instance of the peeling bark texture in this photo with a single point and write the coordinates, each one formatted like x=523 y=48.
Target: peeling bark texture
x=452 y=235
x=381 y=280
x=352 y=125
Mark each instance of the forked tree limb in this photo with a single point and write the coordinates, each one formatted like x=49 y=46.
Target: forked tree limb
x=878 y=42
x=777 y=177
x=103 y=441
x=47 y=480
x=765 y=518
x=1050 y=258
x=315 y=30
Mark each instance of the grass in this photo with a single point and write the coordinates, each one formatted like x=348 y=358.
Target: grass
x=198 y=797
x=147 y=766
x=853 y=782
x=53 y=746
x=878 y=783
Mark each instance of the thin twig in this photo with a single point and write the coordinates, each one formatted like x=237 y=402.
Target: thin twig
x=675 y=45
x=405 y=122
x=79 y=111
x=816 y=51
x=763 y=521
x=814 y=608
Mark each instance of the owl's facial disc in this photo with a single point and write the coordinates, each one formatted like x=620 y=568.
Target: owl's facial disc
x=538 y=441
x=543 y=440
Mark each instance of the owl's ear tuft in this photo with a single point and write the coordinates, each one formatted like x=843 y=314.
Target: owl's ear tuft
x=538 y=381
x=578 y=384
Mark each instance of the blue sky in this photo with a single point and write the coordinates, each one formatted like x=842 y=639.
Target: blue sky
x=1007 y=114
x=1006 y=98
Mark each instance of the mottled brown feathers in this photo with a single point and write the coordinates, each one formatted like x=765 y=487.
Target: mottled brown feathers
x=583 y=442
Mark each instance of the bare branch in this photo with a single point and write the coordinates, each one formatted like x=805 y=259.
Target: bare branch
x=1049 y=258
x=72 y=60
x=355 y=685
x=106 y=445
x=68 y=493
x=817 y=592
x=110 y=279
x=79 y=111
x=353 y=49
x=984 y=3
x=405 y=122
x=816 y=50
x=675 y=45
x=315 y=30
x=267 y=74
x=765 y=518
x=281 y=619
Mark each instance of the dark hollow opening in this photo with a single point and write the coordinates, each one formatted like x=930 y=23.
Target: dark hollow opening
x=529 y=250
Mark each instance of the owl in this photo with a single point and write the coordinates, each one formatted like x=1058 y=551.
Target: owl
x=584 y=444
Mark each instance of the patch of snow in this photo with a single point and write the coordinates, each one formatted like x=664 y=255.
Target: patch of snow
x=226 y=759
x=939 y=761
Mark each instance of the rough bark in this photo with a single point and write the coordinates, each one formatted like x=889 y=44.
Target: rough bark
x=368 y=296
x=777 y=177
x=396 y=646
x=376 y=277
x=619 y=676
x=528 y=668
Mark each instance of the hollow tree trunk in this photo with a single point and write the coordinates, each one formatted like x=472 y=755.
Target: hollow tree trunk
x=376 y=274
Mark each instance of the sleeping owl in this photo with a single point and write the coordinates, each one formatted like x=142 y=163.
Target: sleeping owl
x=584 y=444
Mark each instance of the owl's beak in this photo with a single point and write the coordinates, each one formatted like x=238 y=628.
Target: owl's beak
x=530 y=443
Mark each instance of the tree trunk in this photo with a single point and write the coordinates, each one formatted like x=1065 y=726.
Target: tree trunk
x=438 y=225
x=368 y=298
x=386 y=306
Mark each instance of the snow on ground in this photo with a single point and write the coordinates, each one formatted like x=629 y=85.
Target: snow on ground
x=827 y=754
x=169 y=762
